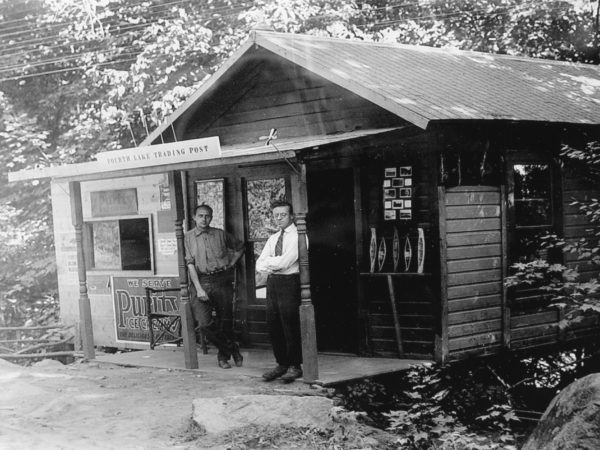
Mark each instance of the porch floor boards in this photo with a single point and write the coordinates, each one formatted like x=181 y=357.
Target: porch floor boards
x=333 y=369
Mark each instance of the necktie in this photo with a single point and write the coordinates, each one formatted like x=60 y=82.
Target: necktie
x=279 y=245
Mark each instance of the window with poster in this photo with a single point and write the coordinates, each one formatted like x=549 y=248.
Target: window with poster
x=119 y=243
x=260 y=193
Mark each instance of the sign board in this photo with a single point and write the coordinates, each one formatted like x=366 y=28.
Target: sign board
x=116 y=202
x=161 y=154
x=129 y=304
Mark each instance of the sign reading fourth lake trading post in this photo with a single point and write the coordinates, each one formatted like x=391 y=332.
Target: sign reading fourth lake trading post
x=161 y=154
x=129 y=303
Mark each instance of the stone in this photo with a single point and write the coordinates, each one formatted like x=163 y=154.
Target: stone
x=572 y=420
x=222 y=414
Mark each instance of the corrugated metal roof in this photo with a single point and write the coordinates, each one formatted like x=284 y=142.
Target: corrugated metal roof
x=423 y=84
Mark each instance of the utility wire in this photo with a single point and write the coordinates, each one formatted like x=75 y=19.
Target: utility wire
x=499 y=11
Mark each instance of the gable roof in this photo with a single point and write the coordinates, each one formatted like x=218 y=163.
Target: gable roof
x=424 y=84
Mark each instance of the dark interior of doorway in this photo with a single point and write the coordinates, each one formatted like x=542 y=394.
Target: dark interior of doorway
x=332 y=258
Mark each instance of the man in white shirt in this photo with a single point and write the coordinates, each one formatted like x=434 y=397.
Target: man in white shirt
x=279 y=259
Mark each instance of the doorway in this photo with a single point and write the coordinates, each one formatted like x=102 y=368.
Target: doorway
x=332 y=258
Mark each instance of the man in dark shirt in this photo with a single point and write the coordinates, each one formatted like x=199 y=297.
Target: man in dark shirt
x=210 y=254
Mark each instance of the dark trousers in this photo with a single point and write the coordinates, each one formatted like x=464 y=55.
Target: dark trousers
x=217 y=327
x=283 y=318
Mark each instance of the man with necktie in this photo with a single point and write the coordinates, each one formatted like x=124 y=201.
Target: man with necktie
x=210 y=255
x=279 y=259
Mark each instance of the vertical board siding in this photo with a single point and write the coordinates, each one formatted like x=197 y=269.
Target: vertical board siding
x=474 y=264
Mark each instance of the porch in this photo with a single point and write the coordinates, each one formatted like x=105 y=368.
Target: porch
x=333 y=368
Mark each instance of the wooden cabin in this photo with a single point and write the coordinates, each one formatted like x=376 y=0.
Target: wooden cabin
x=455 y=153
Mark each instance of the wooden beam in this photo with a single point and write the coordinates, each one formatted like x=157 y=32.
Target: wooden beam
x=441 y=336
x=308 y=327
x=392 y=293
x=505 y=306
x=185 y=309
x=85 y=311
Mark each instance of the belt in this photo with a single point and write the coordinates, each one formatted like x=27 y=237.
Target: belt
x=214 y=272
x=283 y=275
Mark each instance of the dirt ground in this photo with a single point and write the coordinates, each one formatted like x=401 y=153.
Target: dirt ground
x=90 y=405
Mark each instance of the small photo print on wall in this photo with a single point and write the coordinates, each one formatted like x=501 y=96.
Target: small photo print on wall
x=398 y=182
x=389 y=193
x=389 y=214
x=390 y=172
x=407 y=204
x=405 y=171
x=387 y=205
x=408 y=182
x=387 y=183
x=406 y=192
x=405 y=214
x=398 y=204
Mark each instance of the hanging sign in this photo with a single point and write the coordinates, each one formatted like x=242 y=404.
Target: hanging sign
x=161 y=154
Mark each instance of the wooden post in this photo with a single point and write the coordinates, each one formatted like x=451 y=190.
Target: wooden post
x=504 y=258
x=307 y=311
x=397 y=329
x=441 y=337
x=185 y=308
x=85 y=310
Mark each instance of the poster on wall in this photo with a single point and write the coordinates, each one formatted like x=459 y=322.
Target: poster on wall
x=129 y=304
x=397 y=193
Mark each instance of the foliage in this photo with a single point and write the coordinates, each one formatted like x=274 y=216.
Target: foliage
x=440 y=400
x=562 y=285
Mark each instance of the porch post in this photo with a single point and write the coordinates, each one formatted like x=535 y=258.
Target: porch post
x=185 y=308
x=85 y=311
x=307 y=312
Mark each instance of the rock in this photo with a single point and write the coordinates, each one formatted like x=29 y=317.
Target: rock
x=220 y=414
x=572 y=420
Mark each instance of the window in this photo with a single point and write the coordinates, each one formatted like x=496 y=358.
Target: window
x=119 y=244
x=533 y=209
x=211 y=193
x=260 y=194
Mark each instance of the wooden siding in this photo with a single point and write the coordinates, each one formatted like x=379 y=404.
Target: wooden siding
x=535 y=324
x=473 y=224
x=278 y=94
x=416 y=296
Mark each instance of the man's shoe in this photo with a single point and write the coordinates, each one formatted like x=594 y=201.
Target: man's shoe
x=274 y=373
x=238 y=359
x=292 y=373
x=224 y=364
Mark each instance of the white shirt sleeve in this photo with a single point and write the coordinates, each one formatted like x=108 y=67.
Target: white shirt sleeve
x=268 y=250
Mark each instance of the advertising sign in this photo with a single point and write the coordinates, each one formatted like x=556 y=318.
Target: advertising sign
x=160 y=154
x=129 y=294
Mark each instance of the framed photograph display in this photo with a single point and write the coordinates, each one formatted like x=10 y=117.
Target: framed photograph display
x=389 y=194
x=398 y=182
x=397 y=193
x=390 y=172
x=405 y=171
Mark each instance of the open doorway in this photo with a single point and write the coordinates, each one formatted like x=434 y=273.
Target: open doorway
x=332 y=258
